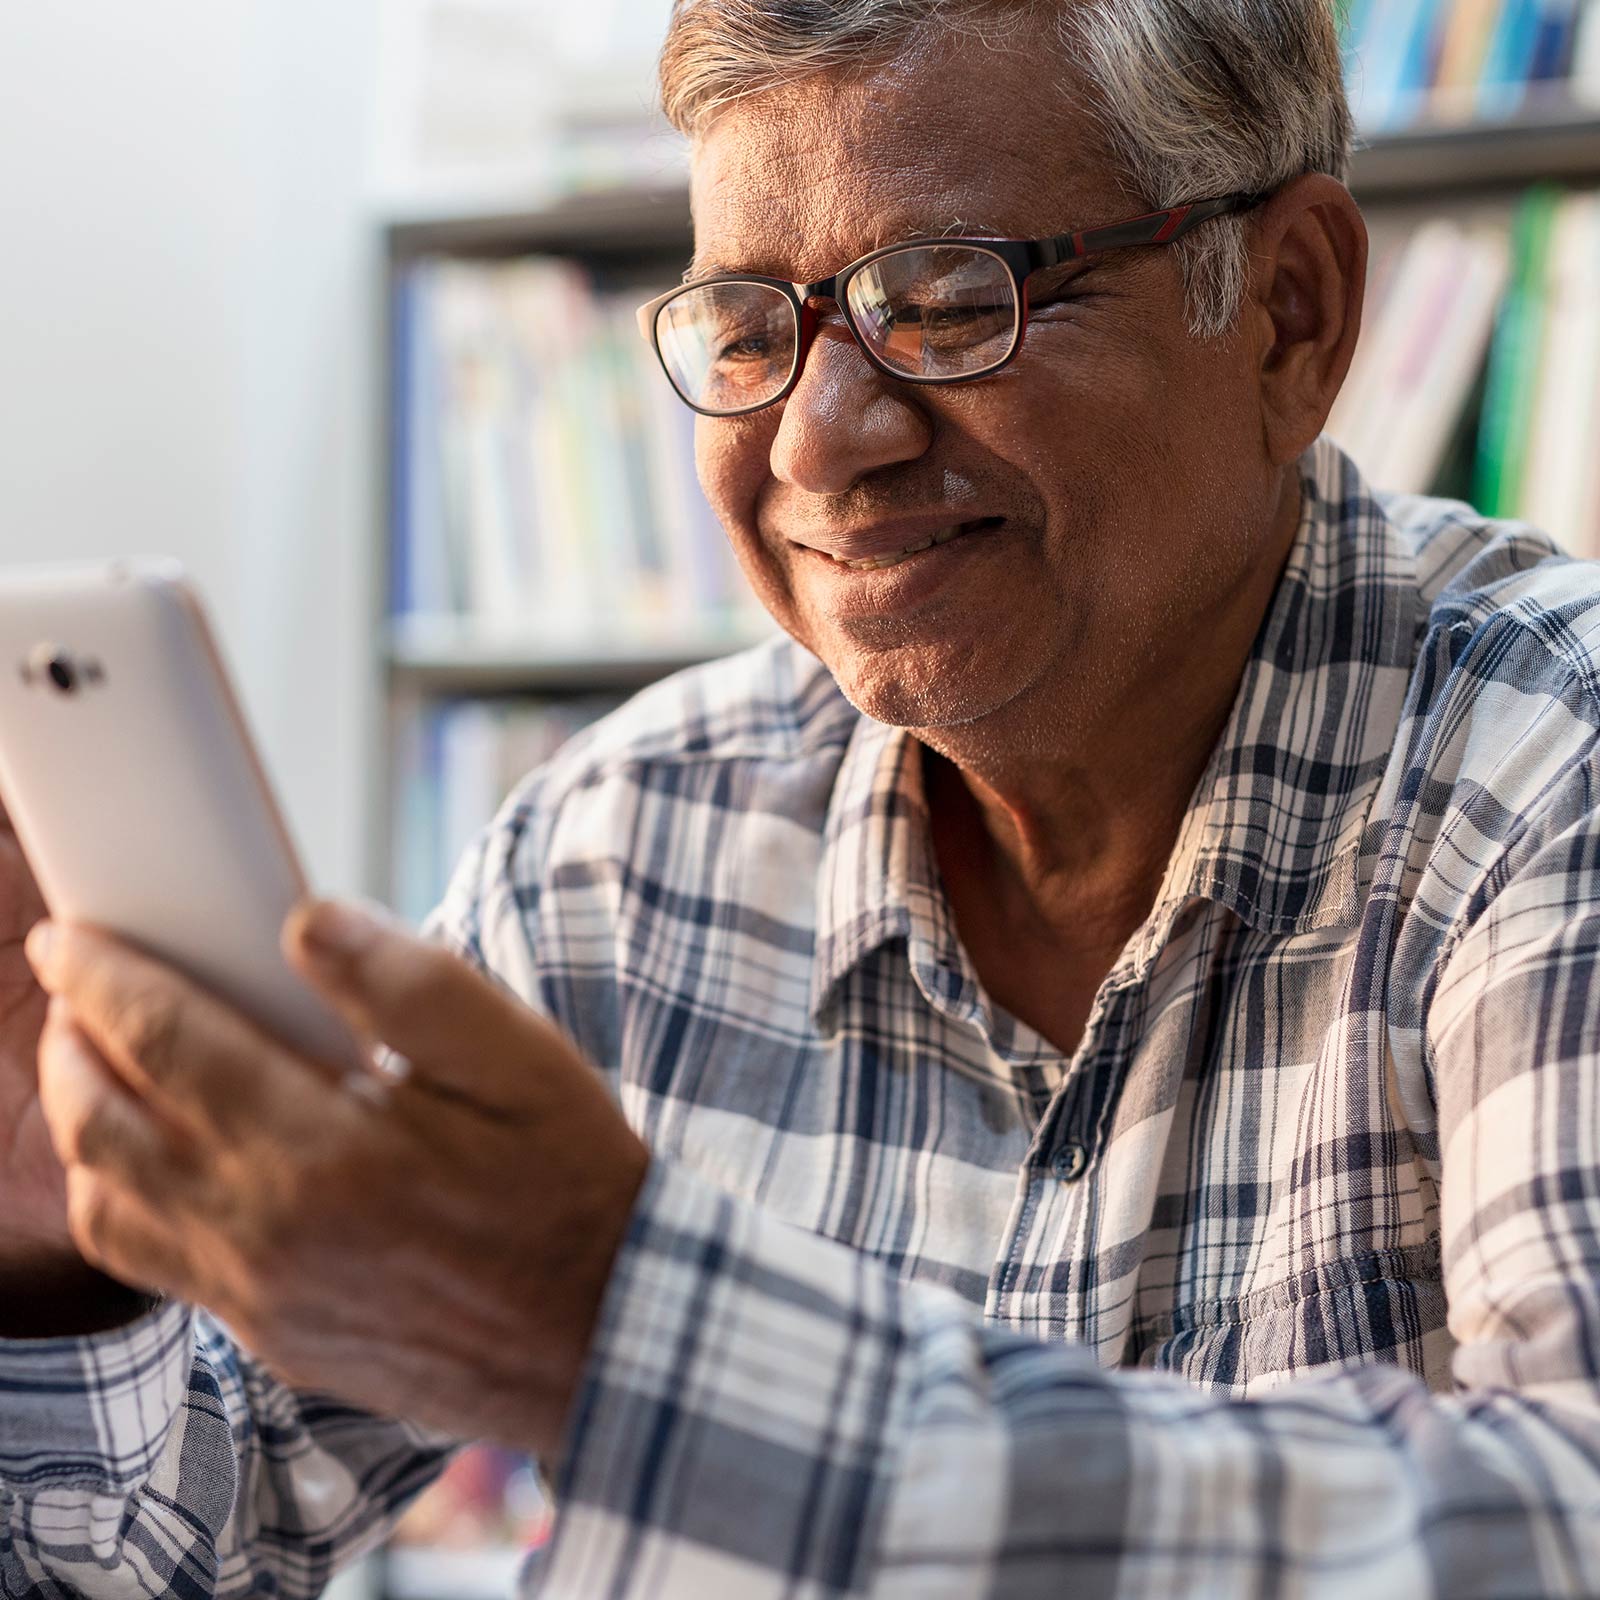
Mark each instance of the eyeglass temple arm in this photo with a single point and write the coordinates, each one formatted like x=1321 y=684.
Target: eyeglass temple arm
x=1155 y=227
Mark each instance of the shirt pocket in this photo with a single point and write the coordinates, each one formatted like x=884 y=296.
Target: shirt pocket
x=1384 y=1306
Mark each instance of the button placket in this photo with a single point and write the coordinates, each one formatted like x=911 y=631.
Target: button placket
x=1051 y=1193
x=1074 y=1129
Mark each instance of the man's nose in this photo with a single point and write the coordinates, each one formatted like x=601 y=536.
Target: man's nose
x=843 y=418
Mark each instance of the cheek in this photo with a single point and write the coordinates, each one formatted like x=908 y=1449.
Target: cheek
x=732 y=462
x=732 y=452
x=1124 y=427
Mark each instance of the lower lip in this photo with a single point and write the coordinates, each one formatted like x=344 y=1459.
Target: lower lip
x=909 y=580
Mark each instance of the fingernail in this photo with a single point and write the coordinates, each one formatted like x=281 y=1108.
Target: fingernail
x=41 y=941
x=339 y=928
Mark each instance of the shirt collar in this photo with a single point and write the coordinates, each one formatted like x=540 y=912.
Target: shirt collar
x=1274 y=828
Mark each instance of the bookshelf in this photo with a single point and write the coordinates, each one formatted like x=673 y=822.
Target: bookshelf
x=1445 y=161
x=643 y=237
x=626 y=245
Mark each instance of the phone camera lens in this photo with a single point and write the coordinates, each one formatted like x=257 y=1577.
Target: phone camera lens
x=63 y=674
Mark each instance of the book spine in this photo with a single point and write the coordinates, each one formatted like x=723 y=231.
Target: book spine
x=1465 y=46
x=1584 y=79
x=1513 y=361
x=1505 y=73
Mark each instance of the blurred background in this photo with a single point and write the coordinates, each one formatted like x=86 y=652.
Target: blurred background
x=334 y=302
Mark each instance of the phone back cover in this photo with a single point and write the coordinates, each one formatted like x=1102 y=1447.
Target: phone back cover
x=137 y=798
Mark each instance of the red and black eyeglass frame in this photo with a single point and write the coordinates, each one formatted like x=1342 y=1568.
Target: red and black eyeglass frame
x=1021 y=258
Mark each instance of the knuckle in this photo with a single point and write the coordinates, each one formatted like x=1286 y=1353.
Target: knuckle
x=93 y=1138
x=89 y=1218
x=148 y=1022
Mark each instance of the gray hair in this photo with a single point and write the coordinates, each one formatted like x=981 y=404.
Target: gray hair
x=1193 y=97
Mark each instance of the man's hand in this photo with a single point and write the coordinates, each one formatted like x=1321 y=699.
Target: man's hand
x=432 y=1243
x=46 y=1287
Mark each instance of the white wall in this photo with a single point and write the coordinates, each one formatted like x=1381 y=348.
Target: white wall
x=187 y=338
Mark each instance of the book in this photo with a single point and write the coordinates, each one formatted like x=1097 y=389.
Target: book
x=1585 y=64
x=1418 y=360
x=1463 y=48
x=1386 y=51
x=1451 y=61
x=1515 y=351
x=1436 y=364
x=1361 y=411
x=1557 y=486
x=1478 y=372
x=547 y=485
x=1506 y=68
x=455 y=761
x=477 y=446
x=1552 y=52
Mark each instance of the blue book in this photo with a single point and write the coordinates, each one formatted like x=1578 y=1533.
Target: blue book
x=400 y=378
x=1381 y=64
x=1353 y=22
x=429 y=588
x=1510 y=58
x=1552 y=51
x=1420 y=59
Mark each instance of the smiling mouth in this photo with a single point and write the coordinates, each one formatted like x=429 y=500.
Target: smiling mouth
x=941 y=536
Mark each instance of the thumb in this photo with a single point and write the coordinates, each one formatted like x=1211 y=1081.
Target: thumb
x=454 y=1027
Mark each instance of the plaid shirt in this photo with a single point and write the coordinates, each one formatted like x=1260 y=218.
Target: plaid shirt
x=1286 y=1283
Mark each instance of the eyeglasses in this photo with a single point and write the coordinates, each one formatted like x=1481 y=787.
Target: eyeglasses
x=925 y=311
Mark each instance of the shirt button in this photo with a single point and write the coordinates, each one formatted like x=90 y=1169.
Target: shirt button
x=1069 y=1161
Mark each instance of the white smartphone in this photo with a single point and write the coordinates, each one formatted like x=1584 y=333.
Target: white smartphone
x=136 y=792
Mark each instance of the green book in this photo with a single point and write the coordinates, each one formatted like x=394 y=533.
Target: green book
x=1514 y=355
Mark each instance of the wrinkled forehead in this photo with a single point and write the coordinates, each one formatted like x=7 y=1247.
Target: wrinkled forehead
x=800 y=179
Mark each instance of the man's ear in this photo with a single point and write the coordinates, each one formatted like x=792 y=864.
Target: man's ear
x=1308 y=255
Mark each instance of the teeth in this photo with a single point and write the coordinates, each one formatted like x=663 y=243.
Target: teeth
x=878 y=563
x=875 y=563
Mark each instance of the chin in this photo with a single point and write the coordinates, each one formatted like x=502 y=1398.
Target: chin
x=908 y=688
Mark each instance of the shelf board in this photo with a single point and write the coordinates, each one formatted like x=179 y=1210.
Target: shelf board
x=1563 y=141
x=446 y=655
x=620 y=222
x=1558 y=140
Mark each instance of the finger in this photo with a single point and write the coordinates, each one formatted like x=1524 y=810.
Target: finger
x=95 y=1121
x=118 y=1233
x=456 y=1030
x=198 y=1060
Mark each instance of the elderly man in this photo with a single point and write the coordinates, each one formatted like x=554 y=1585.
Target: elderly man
x=1105 y=1021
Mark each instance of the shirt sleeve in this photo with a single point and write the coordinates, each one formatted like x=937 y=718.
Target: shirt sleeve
x=160 y=1459
x=766 y=1413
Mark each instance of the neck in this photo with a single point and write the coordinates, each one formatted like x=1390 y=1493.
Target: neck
x=1064 y=820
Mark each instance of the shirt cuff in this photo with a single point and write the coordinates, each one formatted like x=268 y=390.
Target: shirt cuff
x=731 y=1428
x=93 y=1410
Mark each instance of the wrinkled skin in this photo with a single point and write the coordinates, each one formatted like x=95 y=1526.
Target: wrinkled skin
x=45 y=1285
x=328 y=1217
x=1067 y=672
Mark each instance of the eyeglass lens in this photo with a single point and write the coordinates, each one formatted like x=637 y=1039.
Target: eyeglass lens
x=925 y=311
x=728 y=346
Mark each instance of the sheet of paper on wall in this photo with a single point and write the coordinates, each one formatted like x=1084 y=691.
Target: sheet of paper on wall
x=503 y=104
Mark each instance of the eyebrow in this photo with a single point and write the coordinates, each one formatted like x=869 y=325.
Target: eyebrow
x=699 y=268
x=1058 y=276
